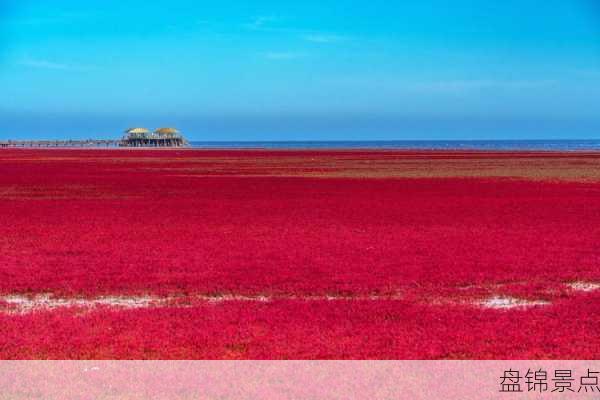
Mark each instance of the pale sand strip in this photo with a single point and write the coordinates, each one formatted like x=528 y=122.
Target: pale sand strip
x=22 y=304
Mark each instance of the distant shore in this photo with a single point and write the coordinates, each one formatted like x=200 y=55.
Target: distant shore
x=477 y=145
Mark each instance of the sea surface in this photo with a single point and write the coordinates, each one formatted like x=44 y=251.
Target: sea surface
x=567 y=145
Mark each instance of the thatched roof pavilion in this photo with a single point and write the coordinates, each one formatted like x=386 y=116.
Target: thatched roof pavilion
x=137 y=133
x=167 y=132
x=137 y=130
x=162 y=137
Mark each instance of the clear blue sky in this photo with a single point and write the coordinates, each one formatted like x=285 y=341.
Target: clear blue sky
x=292 y=70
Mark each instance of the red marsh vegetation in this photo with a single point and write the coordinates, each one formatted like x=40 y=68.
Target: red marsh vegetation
x=299 y=254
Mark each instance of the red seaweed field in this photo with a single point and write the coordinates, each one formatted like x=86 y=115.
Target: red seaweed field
x=255 y=254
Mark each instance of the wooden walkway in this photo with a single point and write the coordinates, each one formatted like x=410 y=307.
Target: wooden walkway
x=60 y=143
x=176 y=142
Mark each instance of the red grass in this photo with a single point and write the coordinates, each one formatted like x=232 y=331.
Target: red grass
x=93 y=223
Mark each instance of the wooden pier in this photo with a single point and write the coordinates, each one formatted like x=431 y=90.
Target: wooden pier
x=134 y=137
x=153 y=142
x=61 y=143
x=161 y=137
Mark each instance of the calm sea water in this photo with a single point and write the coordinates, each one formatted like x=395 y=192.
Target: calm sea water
x=414 y=144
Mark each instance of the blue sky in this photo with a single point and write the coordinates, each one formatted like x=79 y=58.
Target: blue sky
x=312 y=69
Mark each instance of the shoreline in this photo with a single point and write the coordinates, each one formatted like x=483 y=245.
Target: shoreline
x=314 y=150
